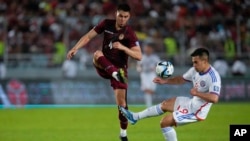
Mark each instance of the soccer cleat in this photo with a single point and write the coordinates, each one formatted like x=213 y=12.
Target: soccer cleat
x=128 y=115
x=121 y=76
x=123 y=138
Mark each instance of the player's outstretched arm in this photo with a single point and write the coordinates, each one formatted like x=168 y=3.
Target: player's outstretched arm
x=82 y=42
x=171 y=80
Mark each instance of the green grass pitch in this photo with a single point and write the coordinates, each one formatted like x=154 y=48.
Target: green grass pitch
x=101 y=124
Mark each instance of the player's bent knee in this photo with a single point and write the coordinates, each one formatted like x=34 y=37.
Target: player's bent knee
x=163 y=123
x=167 y=121
x=97 y=54
x=168 y=105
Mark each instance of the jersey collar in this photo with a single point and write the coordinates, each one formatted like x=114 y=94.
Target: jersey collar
x=202 y=73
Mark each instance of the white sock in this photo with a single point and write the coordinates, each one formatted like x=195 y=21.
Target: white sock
x=123 y=133
x=149 y=112
x=169 y=133
x=114 y=74
x=148 y=99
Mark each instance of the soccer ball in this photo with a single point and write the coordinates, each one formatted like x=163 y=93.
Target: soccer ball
x=164 y=69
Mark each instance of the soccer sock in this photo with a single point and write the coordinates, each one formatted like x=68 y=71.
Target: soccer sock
x=123 y=121
x=105 y=63
x=123 y=132
x=148 y=99
x=149 y=112
x=169 y=133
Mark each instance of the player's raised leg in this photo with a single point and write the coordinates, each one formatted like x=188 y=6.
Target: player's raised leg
x=149 y=112
x=102 y=62
x=156 y=110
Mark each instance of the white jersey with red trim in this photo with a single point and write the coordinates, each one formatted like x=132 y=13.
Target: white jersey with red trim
x=210 y=81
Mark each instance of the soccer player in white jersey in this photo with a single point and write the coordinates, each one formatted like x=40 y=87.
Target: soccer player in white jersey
x=146 y=68
x=183 y=110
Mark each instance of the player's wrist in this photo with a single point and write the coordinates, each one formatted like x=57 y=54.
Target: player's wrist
x=75 y=49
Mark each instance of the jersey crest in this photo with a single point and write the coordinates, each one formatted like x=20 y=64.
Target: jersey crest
x=202 y=83
x=121 y=36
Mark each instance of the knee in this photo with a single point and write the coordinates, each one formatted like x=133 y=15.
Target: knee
x=97 y=54
x=168 y=105
x=163 y=123
x=164 y=106
x=167 y=121
x=122 y=102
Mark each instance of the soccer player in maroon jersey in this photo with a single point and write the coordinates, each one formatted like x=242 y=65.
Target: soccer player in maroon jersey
x=119 y=43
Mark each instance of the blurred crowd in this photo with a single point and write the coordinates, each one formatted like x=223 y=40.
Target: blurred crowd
x=52 y=27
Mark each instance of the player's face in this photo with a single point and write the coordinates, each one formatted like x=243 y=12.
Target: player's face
x=199 y=64
x=122 y=18
x=148 y=50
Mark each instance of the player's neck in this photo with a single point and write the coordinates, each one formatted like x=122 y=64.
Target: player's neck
x=117 y=27
x=206 y=68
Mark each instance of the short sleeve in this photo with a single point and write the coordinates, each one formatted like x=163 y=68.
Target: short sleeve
x=100 y=27
x=133 y=40
x=215 y=86
x=188 y=75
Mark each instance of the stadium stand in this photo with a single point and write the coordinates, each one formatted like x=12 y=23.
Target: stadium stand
x=36 y=34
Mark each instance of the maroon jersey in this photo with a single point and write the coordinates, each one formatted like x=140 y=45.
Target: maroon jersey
x=125 y=36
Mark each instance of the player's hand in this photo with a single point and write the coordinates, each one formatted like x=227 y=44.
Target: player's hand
x=194 y=91
x=159 y=80
x=117 y=45
x=71 y=53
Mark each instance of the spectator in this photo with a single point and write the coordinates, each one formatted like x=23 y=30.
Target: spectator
x=69 y=68
x=85 y=59
x=59 y=53
x=239 y=68
x=192 y=24
x=221 y=65
x=171 y=47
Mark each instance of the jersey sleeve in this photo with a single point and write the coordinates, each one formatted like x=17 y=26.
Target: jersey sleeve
x=215 y=86
x=188 y=75
x=100 y=27
x=133 y=40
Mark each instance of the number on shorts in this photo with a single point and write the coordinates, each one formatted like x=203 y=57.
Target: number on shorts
x=184 y=111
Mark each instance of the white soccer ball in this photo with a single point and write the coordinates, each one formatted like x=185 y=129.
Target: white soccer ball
x=164 y=69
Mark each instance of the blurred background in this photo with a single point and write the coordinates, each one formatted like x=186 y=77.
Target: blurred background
x=35 y=36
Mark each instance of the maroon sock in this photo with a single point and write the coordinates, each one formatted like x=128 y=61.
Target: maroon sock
x=108 y=67
x=123 y=120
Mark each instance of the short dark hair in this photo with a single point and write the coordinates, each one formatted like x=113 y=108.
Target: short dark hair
x=201 y=52
x=124 y=7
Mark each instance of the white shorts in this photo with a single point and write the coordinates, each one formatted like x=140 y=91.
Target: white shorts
x=183 y=112
x=147 y=81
